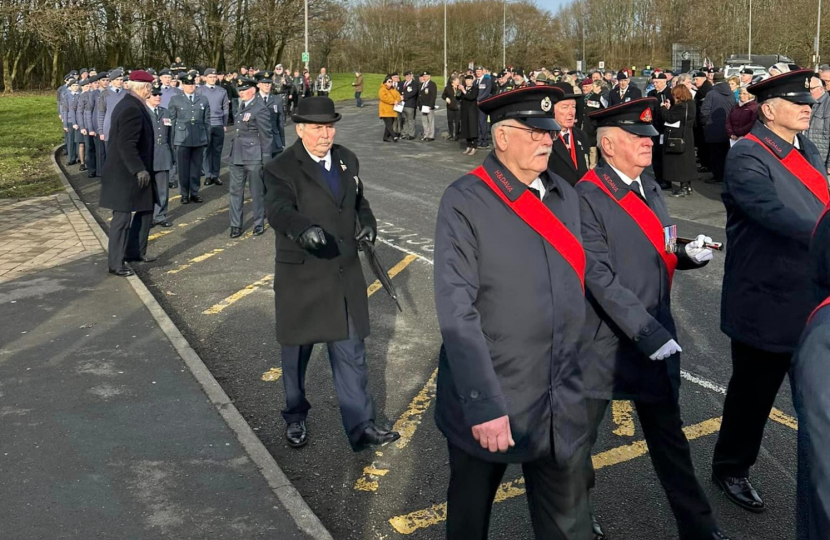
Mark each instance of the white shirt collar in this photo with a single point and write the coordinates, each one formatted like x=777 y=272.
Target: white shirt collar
x=796 y=143
x=326 y=159
x=540 y=187
x=628 y=180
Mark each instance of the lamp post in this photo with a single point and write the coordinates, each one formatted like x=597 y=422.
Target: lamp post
x=818 y=34
x=504 y=37
x=749 y=45
x=445 y=41
x=306 y=30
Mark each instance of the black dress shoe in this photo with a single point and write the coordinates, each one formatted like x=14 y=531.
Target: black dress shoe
x=375 y=436
x=208 y=181
x=164 y=223
x=599 y=534
x=236 y=232
x=185 y=200
x=717 y=535
x=218 y=182
x=83 y=168
x=121 y=272
x=172 y=185
x=739 y=490
x=297 y=434
x=91 y=175
x=197 y=198
x=144 y=259
x=702 y=169
x=258 y=230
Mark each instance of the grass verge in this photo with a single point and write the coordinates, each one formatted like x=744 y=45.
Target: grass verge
x=31 y=128
x=341 y=85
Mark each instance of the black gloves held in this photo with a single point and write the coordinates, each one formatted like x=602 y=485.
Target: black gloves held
x=143 y=179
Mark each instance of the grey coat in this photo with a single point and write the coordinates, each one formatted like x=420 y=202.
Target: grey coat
x=252 y=143
x=819 y=132
x=107 y=101
x=163 y=135
x=191 y=120
x=90 y=110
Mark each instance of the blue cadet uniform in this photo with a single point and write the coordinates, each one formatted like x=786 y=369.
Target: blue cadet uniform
x=190 y=115
x=629 y=339
x=107 y=102
x=219 y=110
x=774 y=191
x=162 y=158
x=250 y=151
x=274 y=105
x=509 y=269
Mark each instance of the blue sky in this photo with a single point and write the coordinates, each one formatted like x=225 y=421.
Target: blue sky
x=551 y=5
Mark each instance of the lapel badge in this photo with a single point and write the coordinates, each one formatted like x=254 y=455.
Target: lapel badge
x=546 y=104
x=343 y=166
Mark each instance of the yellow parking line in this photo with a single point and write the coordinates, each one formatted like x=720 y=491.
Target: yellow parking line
x=406 y=425
x=421 y=519
x=783 y=418
x=165 y=232
x=621 y=413
x=237 y=296
x=195 y=260
x=394 y=271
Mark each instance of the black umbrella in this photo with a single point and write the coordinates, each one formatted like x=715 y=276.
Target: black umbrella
x=380 y=272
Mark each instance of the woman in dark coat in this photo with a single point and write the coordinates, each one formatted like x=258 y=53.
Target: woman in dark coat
x=742 y=118
x=469 y=114
x=451 y=96
x=680 y=167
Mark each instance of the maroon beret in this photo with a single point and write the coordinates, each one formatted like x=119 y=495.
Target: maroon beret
x=139 y=75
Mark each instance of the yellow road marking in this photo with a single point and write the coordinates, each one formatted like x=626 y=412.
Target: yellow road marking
x=783 y=418
x=195 y=260
x=272 y=374
x=394 y=271
x=237 y=296
x=621 y=412
x=406 y=425
x=195 y=221
x=421 y=519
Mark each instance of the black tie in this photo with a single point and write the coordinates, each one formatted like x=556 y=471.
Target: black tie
x=265 y=98
x=191 y=98
x=156 y=111
x=635 y=187
x=535 y=192
x=567 y=138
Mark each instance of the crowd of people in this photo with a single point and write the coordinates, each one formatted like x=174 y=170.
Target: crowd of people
x=528 y=367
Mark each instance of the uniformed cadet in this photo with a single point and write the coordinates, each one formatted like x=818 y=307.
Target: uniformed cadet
x=571 y=146
x=100 y=147
x=167 y=88
x=107 y=102
x=81 y=131
x=775 y=189
x=69 y=105
x=509 y=269
x=250 y=151
x=162 y=154
x=219 y=103
x=190 y=115
x=61 y=90
x=265 y=82
x=315 y=203
x=662 y=93
x=630 y=348
x=90 y=125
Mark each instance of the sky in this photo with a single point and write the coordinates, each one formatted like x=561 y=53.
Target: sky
x=551 y=5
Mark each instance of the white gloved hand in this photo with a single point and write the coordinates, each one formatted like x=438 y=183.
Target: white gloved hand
x=697 y=252
x=669 y=348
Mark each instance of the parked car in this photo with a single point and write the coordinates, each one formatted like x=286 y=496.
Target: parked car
x=736 y=70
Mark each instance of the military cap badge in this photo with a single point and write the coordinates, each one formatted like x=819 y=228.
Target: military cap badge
x=546 y=104
x=646 y=116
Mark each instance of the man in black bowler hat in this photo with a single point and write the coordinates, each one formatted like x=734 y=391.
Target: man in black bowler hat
x=630 y=349
x=314 y=202
x=775 y=189
x=509 y=266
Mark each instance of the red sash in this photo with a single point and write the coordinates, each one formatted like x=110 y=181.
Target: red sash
x=823 y=304
x=812 y=179
x=541 y=219
x=572 y=148
x=644 y=217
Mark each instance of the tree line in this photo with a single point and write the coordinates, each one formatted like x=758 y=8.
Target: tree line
x=42 y=40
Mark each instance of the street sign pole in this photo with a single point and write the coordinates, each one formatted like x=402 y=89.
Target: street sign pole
x=305 y=54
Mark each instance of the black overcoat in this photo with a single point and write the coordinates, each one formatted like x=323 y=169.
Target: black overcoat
x=615 y=97
x=129 y=151
x=510 y=309
x=680 y=167
x=313 y=290
x=770 y=217
x=629 y=309
x=560 y=158
x=469 y=113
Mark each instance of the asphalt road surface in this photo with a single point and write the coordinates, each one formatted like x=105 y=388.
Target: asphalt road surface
x=218 y=291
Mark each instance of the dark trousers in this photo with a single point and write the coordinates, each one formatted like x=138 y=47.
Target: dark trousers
x=239 y=174
x=657 y=160
x=672 y=461
x=213 y=151
x=358 y=101
x=351 y=382
x=189 y=161
x=128 y=236
x=717 y=158
x=90 y=147
x=72 y=145
x=702 y=150
x=454 y=123
x=556 y=496
x=388 y=128
x=483 y=129
x=756 y=377
x=163 y=188
x=100 y=154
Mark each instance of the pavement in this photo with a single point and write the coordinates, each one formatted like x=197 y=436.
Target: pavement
x=216 y=290
x=111 y=426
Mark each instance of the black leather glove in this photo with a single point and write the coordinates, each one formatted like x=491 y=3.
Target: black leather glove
x=366 y=233
x=312 y=238
x=143 y=179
